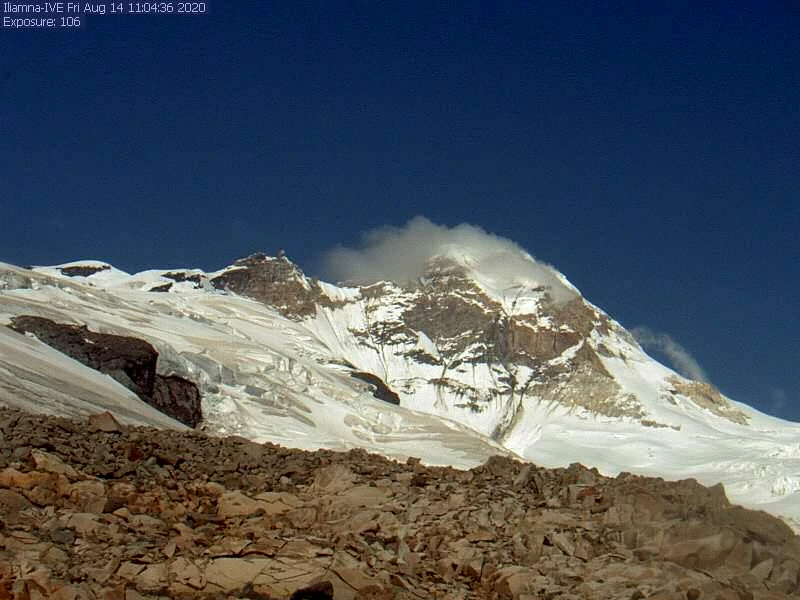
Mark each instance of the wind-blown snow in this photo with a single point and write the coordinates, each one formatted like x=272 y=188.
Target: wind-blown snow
x=679 y=356
x=400 y=254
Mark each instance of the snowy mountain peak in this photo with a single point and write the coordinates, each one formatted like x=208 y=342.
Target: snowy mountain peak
x=502 y=273
x=486 y=351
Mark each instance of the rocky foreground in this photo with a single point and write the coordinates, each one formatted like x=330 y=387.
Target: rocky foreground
x=98 y=510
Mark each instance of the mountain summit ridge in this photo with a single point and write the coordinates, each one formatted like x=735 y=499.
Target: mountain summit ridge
x=482 y=356
x=515 y=321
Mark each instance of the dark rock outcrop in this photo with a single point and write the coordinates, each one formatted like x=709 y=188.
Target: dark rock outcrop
x=83 y=270
x=130 y=361
x=379 y=389
x=178 y=398
x=165 y=287
x=180 y=276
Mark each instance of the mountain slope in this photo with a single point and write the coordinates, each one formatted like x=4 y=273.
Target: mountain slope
x=261 y=375
x=486 y=355
x=99 y=512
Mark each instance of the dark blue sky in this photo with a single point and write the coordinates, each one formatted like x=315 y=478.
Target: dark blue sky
x=649 y=150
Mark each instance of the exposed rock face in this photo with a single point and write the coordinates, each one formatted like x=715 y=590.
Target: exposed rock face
x=178 y=398
x=380 y=390
x=165 y=287
x=274 y=281
x=180 y=276
x=707 y=396
x=131 y=361
x=121 y=512
x=83 y=270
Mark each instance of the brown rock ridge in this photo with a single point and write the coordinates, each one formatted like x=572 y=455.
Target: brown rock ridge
x=83 y=270
x=108 y=512
x=130 y=361
x=706 y=395
x=276 y=282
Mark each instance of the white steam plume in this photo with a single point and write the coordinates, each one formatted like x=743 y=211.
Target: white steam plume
x=400 y=254
x=680 y=357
